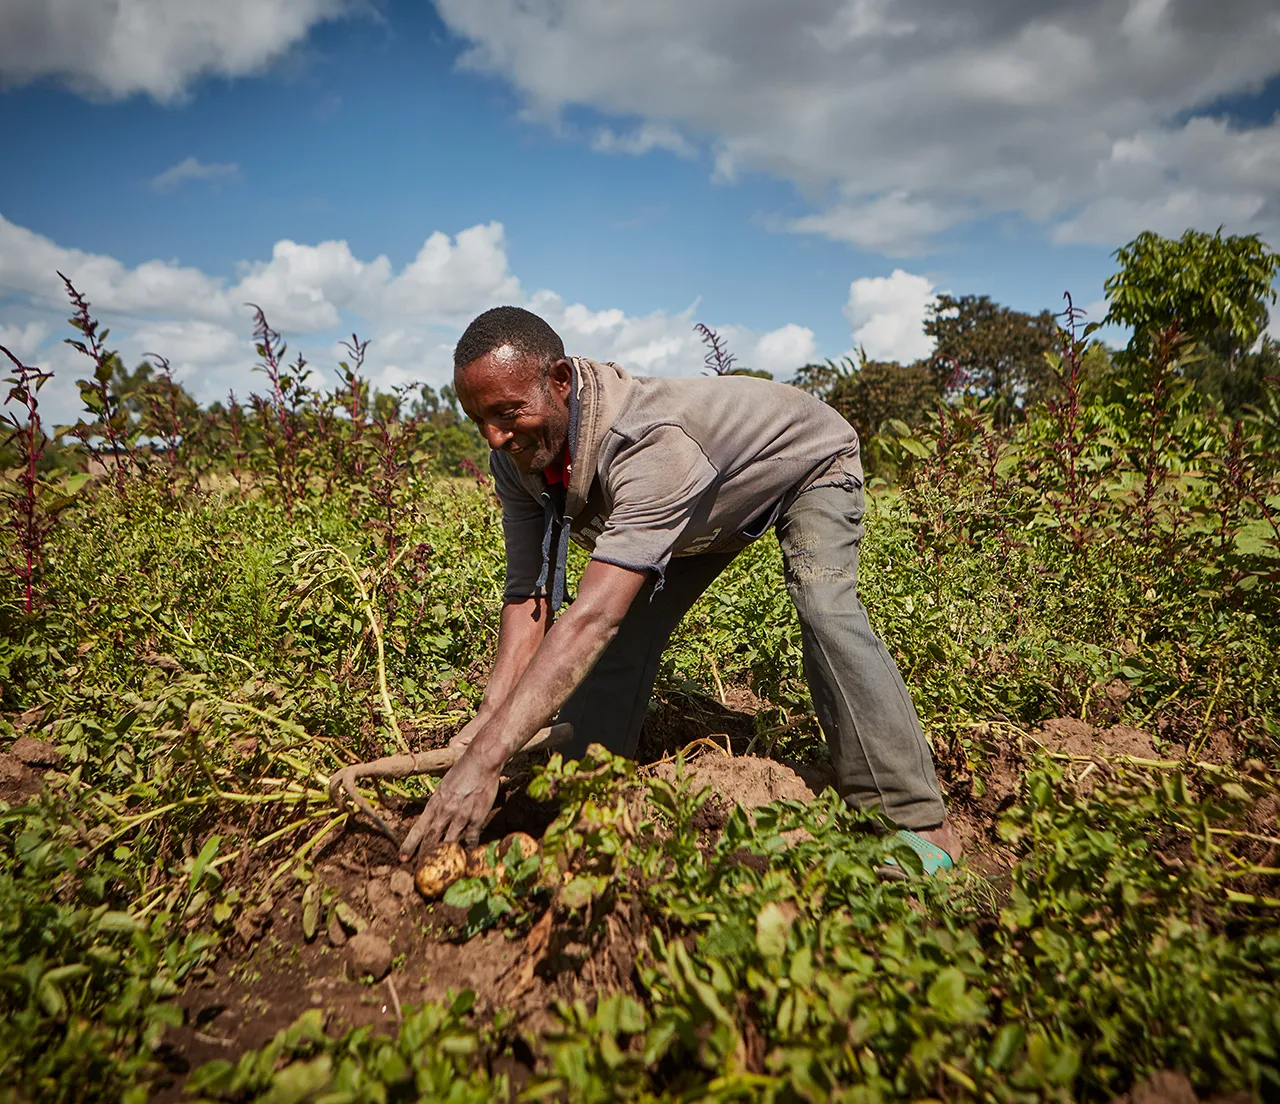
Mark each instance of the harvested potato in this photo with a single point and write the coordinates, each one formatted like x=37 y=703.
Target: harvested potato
x=478 y=865
x=525 y=843
x=441 y=866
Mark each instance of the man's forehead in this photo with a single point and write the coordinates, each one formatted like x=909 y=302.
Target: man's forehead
x=504 y=370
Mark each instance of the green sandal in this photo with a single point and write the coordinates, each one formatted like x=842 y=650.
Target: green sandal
x=933 y=858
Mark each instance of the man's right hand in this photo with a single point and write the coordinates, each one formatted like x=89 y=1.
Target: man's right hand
x=458 y=809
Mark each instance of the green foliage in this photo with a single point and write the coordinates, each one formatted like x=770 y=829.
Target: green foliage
x=434 y=1057
x=801 y=976
x=1207 y=284
x=992 y=352
x=212 y=642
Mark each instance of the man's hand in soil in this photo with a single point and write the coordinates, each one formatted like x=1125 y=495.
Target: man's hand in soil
x=561 y=660
x=458 y=808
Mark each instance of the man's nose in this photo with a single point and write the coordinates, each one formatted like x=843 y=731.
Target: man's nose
x=495 y=437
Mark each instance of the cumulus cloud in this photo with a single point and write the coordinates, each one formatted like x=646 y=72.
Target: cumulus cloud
x=1093 y=117
x=22 y=341
x=784 y=350
x=894 y=224
x=644 y=139
x=116 y=48
x=887 y=315
x=315 y=295
x=192 y=168
x=303 y=288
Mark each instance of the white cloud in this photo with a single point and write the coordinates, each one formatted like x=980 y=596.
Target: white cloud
x=315 y=293
x=22 y=341
x=887 y=315
x=30 y=263
x=894 y=224
x=446 y=280
x=192 y=168
x=302 y=288
x=919 y=115
x=116 y=48
x=784 y=350
x=644 y=139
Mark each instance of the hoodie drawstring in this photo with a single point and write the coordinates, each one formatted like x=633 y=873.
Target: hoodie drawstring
x=555 y=548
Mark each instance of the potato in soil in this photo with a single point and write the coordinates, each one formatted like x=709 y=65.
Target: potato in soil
x=525 y=844
x=442 y=865
x=479 y=866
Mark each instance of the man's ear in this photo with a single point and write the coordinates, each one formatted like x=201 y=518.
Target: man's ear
x=560 y=376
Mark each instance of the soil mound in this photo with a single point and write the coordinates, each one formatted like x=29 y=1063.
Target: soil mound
x=1072 y=736
x=745 y=780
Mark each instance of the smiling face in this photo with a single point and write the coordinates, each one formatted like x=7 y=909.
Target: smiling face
x=520 y=409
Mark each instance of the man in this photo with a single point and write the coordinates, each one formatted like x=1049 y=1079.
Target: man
x=665 y=480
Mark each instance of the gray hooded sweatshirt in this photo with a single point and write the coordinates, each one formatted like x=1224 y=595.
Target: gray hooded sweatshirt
x=667 y=467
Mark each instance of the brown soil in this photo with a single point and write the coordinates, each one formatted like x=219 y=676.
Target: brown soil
x=744 y=780
x=1075 y=737
x=20 y=777
x=17 y=780
x=268 y=974
x=1172 y=1087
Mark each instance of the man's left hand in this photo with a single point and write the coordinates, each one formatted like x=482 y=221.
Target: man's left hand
x=458 y=808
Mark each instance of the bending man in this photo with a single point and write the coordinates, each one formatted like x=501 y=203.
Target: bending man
x=665 y=481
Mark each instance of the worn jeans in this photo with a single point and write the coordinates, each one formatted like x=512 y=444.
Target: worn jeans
x=877 y=746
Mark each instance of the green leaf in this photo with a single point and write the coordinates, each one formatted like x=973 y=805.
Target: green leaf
x=348 y=917
x=207 y=854
x=578 y=891
x=466 y=892
x=311 y=911
x=1005 y=1046
x=773 y=926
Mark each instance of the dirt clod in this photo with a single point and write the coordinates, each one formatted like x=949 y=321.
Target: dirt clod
x=401 y=883
x=1163 y=1087
x=369 y=954
x=337 y=936
x=744 y=780
x=385 y=904
x=1072 y=736
x=17 y=780
x=35 y=753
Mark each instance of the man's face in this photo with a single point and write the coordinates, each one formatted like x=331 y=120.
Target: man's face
x=517 y=409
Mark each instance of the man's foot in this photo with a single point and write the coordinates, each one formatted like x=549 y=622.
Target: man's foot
x=944 y=836
x=938 y=848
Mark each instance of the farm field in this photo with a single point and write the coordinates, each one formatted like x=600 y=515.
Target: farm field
x=1084 y=605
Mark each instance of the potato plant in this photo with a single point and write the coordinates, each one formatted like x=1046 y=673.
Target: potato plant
x=194 y=667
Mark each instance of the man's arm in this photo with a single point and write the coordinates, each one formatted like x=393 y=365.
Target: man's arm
x=522 y=625
x=563 y=658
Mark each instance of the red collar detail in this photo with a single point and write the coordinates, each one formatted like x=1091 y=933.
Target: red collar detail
x=558 y=470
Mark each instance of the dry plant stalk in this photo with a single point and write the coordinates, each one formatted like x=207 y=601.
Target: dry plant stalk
x=342 y=784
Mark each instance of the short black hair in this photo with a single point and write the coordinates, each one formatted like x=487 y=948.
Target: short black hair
x=523 y=330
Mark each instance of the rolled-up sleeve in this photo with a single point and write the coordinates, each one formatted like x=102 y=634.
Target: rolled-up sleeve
x=522 y=528
x=656 y=484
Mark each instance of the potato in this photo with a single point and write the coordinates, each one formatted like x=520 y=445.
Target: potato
x=525 y=843
x=441 y=866
x=478 y=865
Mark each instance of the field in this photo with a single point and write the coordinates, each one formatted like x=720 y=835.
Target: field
x=1084 y=605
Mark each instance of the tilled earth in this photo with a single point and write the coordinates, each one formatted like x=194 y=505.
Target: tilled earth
x=270 y=973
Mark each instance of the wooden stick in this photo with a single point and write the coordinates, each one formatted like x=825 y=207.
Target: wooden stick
x=342 y=784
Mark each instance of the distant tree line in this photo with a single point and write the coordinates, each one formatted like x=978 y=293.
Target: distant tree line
x=1211 y=291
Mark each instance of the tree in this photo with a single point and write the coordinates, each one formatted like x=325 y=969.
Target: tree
x=1215 y=289
x=992 y=351
x=872 y=392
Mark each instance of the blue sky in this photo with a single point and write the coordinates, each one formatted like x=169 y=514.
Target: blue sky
x=802 y=177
